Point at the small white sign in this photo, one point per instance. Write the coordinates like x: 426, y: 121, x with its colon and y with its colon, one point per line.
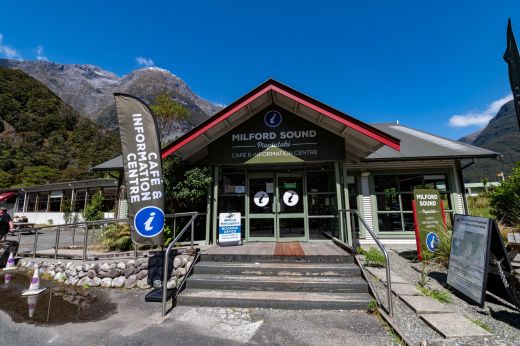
x: 261, y: 198
x: 290, y: 198
x: 240, y: 189
x: 229, y: 226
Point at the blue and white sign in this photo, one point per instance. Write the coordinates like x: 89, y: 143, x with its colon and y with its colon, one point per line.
x: 149, y: 221
x: 432, y: 240
x: 273, y: 118
x: 229, y: 228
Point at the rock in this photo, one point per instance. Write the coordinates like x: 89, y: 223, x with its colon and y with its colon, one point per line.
x: 180, y: 272
x: 51, y: 273
x: 91, y: 273
x: 52, y: 267
x: 184, y: 259
x: 58, y: 270
x: 190, y: 262
x: 102, y: 274
x: 58, y: 276
x: 104, y: 267
x: 68, y: 265
x: 157, y: 283
x: 95, y: 267
x: 84, y: 281
x: 82, y: 274
x: 140, y: 261
x: 106, y: 282
x: 95, y: 282
x: 130, y: 263
x: 71, y: 272
x: 142, y: 274
x: 85, y: 267
x: 171, y: 283
x: 113, y: 266
x: 131, y: 281
x: 118, y: 282
x: 177, y: 262
x: 143, y: 284
x: 129, y: 271
x: 78, y: 268
x: 112, y: 273
x: 73, y: 280
x: 144, y: 265
x: 121, y: 265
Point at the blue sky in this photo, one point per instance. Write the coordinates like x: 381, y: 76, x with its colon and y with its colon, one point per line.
x: 419, y: 62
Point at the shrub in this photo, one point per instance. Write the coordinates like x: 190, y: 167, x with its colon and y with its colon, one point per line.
x: 116, y: 237
x: 94, y: 209
x: 442, y: 252
x: 505, y: 199
x: 374, y: 258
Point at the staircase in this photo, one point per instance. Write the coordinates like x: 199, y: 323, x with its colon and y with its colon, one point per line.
x: 281, y: 282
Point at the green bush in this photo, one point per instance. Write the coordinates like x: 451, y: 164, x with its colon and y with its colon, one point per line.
x: 442, y: 252
x: 505, y: 200
x: 94, y: 209
x: 116, y: 237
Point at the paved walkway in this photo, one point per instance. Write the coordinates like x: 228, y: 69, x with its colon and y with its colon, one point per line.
x: 138, y: 323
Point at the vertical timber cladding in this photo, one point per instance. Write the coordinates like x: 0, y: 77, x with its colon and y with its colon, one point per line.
x: 275, y: 135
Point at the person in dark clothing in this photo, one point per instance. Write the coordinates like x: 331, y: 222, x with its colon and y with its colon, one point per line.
x: 6, y: 223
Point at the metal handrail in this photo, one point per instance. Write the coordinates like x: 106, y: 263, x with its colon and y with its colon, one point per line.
x: 191, y: 223
x: 385, y: 253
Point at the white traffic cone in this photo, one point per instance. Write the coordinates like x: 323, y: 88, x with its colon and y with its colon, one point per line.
x: 10, y: 262
x: 8, y: 278
x: 31, y: 304
x: 34, y: 287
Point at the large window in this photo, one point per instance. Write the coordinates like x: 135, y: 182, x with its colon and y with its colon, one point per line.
x: 20, y: 202
x: 394, y: 194
x: 110, y: 196
x: 79, y: 200
x: 55, y: 201
x: 43, y: 201
x: 31, y: 202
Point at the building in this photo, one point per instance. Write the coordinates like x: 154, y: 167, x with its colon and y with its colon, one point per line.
x: 474, y: 189
x: 288, y: 162
x: 54, y: 203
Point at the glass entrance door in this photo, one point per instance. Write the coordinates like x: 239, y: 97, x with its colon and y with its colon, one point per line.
x: 291, y: 207
x: 277, y: 207
x: 262, y: 207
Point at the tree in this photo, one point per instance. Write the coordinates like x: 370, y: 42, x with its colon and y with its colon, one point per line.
x: 168, y: 112
x: 505, y: 199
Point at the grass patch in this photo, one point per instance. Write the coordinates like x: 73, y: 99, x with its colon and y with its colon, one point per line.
x: 372, y: 307
x: 481, y: 324
x: 442, y: 296
x: 373, y: 257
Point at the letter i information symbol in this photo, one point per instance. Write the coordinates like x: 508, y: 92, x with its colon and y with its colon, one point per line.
x: 149, y: 221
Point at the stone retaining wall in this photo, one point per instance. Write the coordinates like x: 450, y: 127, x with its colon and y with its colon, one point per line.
x: 142, y: 273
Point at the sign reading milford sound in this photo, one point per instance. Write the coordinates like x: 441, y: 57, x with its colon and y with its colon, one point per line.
x: 276, y: 136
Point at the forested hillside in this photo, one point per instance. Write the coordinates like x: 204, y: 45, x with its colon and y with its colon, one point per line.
x: 42, y: 139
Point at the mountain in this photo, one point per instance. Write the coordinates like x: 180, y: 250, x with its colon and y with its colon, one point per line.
x: 469, y: 139
x: 89, y: 89
x: 501, y: 135
x: 44, y: 140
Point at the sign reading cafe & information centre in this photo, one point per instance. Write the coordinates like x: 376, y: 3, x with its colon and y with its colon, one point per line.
x: 143, y: 169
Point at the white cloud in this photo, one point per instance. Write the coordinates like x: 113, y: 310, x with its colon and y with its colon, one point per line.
x: 40, y: 54
x: 7, y: 51
x: 476, y: 118
x: 144, y: 61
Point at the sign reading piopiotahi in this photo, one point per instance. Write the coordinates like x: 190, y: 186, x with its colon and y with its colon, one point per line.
x: 429, y: 220
x: 143, y: 169
x: 229, y: 229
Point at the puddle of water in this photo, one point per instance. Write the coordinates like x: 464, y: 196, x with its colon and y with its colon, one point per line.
x: 57, y: 305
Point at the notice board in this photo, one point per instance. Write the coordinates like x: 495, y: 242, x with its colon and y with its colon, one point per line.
x: 479, y: 261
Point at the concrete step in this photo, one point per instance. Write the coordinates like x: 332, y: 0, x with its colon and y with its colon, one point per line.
x: 347, y: 258
x: 273, y: 269
x: 274, y: 299
x: 292, y: 283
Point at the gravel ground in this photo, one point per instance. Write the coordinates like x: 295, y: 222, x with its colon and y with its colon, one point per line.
x: 503, y: 321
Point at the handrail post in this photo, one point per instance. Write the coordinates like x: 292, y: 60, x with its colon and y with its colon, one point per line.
x: 73, y: 236
x: 57, y: 243
x: 135, y: 251
x: 85, y: 240
x: 385, y: 254
x: 35, y: 245
x: 165, y: 281
x: 192, y: 232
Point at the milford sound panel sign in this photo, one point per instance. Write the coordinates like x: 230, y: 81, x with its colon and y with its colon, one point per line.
x: 275, y: 135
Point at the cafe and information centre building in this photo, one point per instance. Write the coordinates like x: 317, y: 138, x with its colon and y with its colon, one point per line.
x: 287, y: 163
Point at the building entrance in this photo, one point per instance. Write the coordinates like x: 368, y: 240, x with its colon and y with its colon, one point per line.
x: 277, y: 207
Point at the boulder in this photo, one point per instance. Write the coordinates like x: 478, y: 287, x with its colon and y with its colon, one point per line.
x: 84, y: 281
x: 171, y: 284
x: 85, y: 267
x: 131, y: 282
x: 95, y: 267
x: 78, y: 268
x: 82, y: 274
x: 121, y: 265
x: 130, y: 263
x: 91, y: 273
x: 113, y: 266
x: 102, y: 274
x: 129, y: 271
x: 95, y: 282
x: 106, y: 282
x: 104, y: 267
x: 112, y: 273
x: 180, y: 272
x: 177, y: 262
x: 143, y: 284
x: 118, y: 282
x: 142, y: 274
